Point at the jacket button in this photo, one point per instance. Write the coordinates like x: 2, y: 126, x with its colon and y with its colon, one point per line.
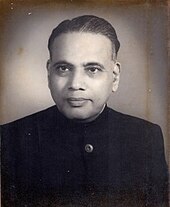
x: 88, y: 148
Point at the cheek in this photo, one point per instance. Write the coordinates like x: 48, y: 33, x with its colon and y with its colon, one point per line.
x: 105, y: 92
x: 103, y: 88
x: 57, y: 84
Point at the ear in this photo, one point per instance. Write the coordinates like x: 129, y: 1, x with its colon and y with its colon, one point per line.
x: 48, y: 66
x: 116, y: 76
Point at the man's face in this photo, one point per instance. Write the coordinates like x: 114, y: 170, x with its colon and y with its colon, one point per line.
x: 82, y: 74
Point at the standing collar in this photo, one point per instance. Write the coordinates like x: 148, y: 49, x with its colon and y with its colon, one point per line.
x: 62, y: 120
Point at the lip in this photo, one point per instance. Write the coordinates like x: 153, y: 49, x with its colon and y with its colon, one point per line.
x: 77, y: 102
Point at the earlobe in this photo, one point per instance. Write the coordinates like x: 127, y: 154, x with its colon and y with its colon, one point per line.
x: 48, y: 66
x: 116, y: 76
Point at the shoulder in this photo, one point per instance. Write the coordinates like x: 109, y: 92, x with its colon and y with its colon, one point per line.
x: 129, y: 121
x: 137, y: 135
x: 40, y: 116
x: 133, y: 128
x: 17, y: 133
x: 30, y: 124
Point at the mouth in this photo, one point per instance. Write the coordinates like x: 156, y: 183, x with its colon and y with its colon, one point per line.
x: 77, y: 102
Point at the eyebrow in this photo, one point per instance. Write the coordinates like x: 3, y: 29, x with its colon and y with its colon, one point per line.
x: 94, y: 64
x: 63, y: 62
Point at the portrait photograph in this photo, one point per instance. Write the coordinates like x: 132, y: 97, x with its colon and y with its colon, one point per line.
x: 84, y: 104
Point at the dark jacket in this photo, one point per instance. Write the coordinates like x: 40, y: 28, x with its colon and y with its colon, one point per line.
x: 44, y: 161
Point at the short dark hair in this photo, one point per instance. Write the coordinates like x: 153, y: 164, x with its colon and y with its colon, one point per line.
x: 86, y: 23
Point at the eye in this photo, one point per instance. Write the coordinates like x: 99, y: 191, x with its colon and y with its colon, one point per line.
x: 93, y: 69
x: 62, y: 68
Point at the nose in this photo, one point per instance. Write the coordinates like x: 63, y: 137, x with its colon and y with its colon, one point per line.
x: 77, y: 81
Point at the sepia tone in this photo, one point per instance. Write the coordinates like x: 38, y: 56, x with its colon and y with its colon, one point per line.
x: 142, y: 27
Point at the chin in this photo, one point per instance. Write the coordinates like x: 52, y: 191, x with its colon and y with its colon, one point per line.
x: 78, y: 114
x: 82, y: 116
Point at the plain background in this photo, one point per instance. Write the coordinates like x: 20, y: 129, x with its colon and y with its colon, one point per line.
x: 141, y: 29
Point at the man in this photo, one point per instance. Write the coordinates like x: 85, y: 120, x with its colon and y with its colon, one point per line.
x: 80, y: 152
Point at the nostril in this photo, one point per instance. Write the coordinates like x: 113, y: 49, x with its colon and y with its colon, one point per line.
x: 76, y: 85
x: 76, y: 88
x: 76, y: 81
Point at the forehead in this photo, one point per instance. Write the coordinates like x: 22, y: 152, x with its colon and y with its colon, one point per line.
x: 81, y: 44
